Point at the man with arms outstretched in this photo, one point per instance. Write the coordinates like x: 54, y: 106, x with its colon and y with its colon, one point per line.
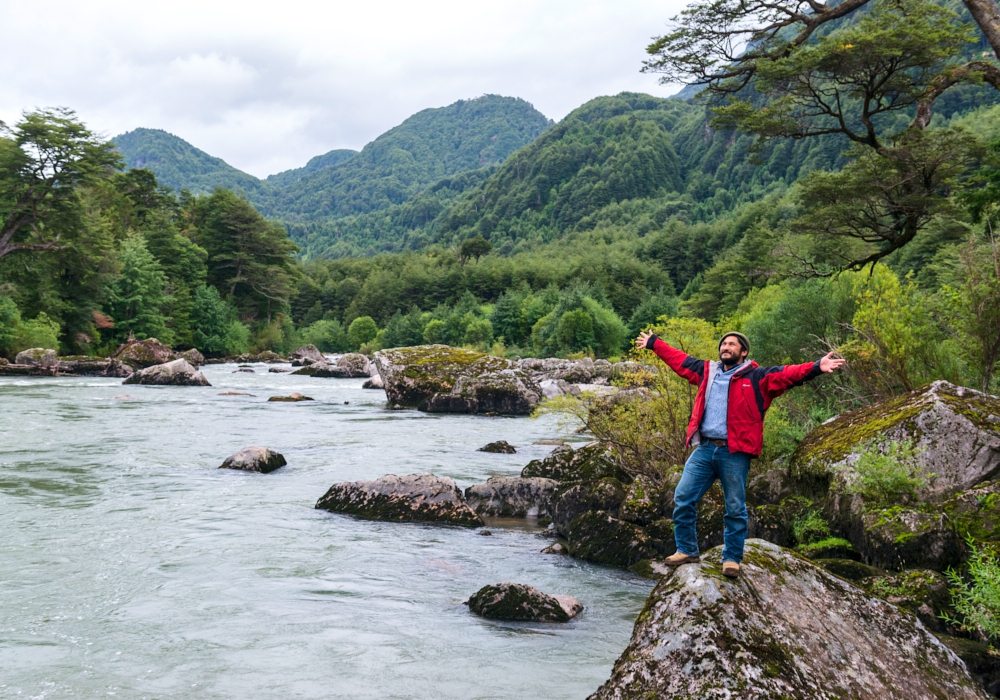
x: 727, y: 426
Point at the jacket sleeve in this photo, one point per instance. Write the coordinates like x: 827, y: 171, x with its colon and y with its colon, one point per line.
x: 777, y: 380
x: 687, y: 367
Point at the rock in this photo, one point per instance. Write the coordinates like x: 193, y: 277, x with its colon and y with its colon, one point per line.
x: 278, y: 370
x: 175, y: 373
x: 266, y: 356
x: 412, y: 498
x: 234, y: 393
x: 556, y: 548
x: 980, y: 658
x: 307, y: 355
x: 291, y: 398
x: 195, y: 358
x: 244, y: 370
x: 373, y: 383
x: 830, y: 548
x: 255, y: 459
x: 355, y: 365
x: 784, y: 629
x: 568, y: 505
x: 518, y: 602
x: 510, y: 497
x: 37, y: 357
x: 848, y: 568
x: 976, y: 513
x: 642, y: 502
x: 587, y: 464
x: 499, y: 447
x: 922, y: 592
x: 485, y: 533
x: 323, y: 370
x: 900, y: 538
x: 507, y: 391
x: 598, y: 537
x: 139, y: 354
x: 439, y: 378
x: 956, y: 429
x: 92, y: 367
x: 552, y: 388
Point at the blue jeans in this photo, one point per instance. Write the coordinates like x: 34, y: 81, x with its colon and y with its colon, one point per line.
x: 706, y: 464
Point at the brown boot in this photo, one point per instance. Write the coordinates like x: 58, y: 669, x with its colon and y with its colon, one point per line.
x: 678, y: 558
x: 730, y: 569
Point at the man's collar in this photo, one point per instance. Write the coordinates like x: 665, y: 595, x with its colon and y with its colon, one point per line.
x: 722, y: 367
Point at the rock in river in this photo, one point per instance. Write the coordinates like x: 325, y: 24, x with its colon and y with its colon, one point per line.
x: 509, y: 497
x: 411, y: 498
x: 307, y: 355
x: 443, y: 379
x: 784, y: 629
x: 291, y: 398
x: 37, y: 357
x: 144, y: 353
x: 518, y: 602
x: 176, y: 373
x: 255, y: 459
x: 501, y: 447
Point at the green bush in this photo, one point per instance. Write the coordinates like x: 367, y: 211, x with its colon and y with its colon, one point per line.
x: 237, y: 339
x: 434, y: 332
x: 362, y: 330
x: 39, y: 332
x: 886, y: 473
x: 810, y: 527
x: 211, y: 318
x: 327, y: 335
x: 976, y: 597
x: 479, y: 333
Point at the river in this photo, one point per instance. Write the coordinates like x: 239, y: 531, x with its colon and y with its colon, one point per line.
x: 131, y: 567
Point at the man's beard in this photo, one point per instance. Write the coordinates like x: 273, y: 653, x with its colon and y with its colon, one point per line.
x: 730, y: 361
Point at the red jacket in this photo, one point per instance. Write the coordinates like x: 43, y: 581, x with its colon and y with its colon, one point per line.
x: 751, y: 390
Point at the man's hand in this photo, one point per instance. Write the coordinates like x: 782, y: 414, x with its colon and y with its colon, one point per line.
x: 830, y: 363
x: 640, y: 342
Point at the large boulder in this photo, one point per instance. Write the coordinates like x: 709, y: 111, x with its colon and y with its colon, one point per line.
x: 500, y: 447
x: 93, y: 367
x: 37, y: 357
x: 355, y: 365
x: 138, y: 354
x: 443, y: 379
x: 411, y: 498
x: 599, y: 537
x: 194, y: 357
x: 510, y: 497
x: 784, y: 629
x: 569, y: 504
x: 307, y: 355
x: 903, y: 538
x: 589, y: 463
x: 175, y: 373
x: 955, y: 429
x: 518, y: 602
x: 255, y: 459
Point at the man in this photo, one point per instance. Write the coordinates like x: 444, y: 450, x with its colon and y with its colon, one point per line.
x: 727, y: 426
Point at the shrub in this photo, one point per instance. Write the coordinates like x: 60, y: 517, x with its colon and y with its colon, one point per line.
x: 211, y: 318
x: 809, y: 527
x: 434, y: 332
x: 10, y: 324
x: 362, y: 330
x: 237, y: 339
x: 39, y: 332
x: 326, y: 335
x: 479, y: 333
x: 886, y: 473
x: 976, y: 598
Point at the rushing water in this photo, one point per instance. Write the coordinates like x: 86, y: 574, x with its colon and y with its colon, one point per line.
x: 130, y: 566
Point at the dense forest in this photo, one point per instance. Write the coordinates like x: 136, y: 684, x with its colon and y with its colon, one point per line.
x: 481, y: 224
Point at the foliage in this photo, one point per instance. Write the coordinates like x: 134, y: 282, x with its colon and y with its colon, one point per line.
x: 809, y: 527
x: 212, y: 319
x: 136, y: 297
x: 886, y: 473
x: 10, y: 324
x: 362, y: 330
x: 976, y: 597
x: 39, y: 332
x: 327, y: 335
x: 237, y: 339
x: 474, y: 247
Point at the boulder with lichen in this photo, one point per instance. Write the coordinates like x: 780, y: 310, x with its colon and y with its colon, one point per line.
x: 784, y: 628
x: 517, y: 602
x: 511, y: 497
x: 410, y: 498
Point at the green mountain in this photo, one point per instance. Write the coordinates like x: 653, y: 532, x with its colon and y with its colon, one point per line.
x: 327, y: 160
x: 179, y: 165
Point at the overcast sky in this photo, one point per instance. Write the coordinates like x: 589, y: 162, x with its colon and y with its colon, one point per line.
x: 266, y: 86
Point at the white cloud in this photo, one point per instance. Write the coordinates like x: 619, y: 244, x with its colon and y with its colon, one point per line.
x: 268, y: 85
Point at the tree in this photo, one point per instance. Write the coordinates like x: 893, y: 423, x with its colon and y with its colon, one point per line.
x: 210, y: 318
x: 44, y: 160
x: 475, y: 247
x: 10, y: 324
x: 136, y: 297
x: 848, y: 80
x: 362, y: 330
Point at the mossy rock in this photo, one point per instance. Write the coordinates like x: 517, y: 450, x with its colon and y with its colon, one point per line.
x: 923, y: 592
x: 955, y: 429
x: 830, y: 548
x: 599, y: 537
x: 517, y: 602
x: 413, y: 375
x: 976, y: 513
x: 413, y: 498
x: 585, y: 465
x: 848, y: 568
x: 784, y: 628
x: 568, y: 504
x: 982, y: 660
x: 642, y: 502
x: 905, y: 538
x: 139, y: 354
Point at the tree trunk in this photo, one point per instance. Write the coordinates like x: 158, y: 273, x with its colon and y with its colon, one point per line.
x: 987, y: 16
